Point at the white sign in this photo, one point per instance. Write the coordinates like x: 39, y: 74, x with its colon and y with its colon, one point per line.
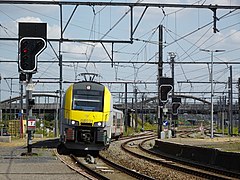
x: 30, y: 87
x: 31, y: 123
x: 165, y: 110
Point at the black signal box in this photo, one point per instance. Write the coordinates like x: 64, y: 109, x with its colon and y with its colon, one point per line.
x: 32, y: 30
x: 32, y: 41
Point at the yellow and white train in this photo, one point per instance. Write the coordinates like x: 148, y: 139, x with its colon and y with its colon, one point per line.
x: 89, y: 121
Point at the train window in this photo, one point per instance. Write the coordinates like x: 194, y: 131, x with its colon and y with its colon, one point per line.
x: 88, y: 100
x: 114, y: 120
x: 87, y: 92
x: 119, y: 120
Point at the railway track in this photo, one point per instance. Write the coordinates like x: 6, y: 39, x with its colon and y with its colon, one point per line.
x: 204, y: 169
x: 103, y: 168
x: 100, y: 167
x: 151, y: 163
x: 67, y: 160
x: 177, y: 164
x: 187, y: 133
x: 141, y: 165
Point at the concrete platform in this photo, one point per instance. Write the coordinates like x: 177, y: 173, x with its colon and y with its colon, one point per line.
x: 5, y: 139
x: 194, y: 150
x: 45, y: 165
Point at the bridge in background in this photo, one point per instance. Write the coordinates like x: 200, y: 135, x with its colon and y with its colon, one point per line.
x: 49, y: 104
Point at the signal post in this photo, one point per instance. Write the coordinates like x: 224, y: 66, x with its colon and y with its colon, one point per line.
x: 176, y: 103
x: 165, y: 87
x: 32, y: 42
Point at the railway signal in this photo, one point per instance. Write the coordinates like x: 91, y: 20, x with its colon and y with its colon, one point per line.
x: 164, y: 92
x: 32, y: 41
x: 166, y: 86
x: 176, y: 103
x: 30, y: 48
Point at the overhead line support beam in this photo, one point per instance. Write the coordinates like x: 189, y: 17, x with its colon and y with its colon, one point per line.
x: 215, y: 19
x: 123, y: 62
x: 97, y: 3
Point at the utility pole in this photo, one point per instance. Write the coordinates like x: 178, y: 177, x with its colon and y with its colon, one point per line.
x: 60, y: 77
x: 211, y: 78
x: 230, y: 91
x: 172, y: 57
x: 224, y: 113
x: 160, y: 73
x: 132, y: 124
x: 126, y: 109
x: 211, y: 94
x: 21, y: 109
x: 142, y: 111
x: 220, y: 112
x: 136, y: 109
x: 0, y: 98
x: 1, y: 125
x: 29, y: 112
x: 11, y: 100
x: 228, y: 106
x: 238, y: 106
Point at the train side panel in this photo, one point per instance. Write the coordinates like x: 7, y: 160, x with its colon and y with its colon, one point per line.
x: 118, y: 124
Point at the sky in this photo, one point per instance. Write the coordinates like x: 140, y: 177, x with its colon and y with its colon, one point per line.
x: 185, y: 32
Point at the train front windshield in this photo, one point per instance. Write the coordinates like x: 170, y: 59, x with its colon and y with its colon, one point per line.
x: 88, y: 100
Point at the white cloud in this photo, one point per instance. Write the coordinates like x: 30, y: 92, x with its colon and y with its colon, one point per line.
x: 219, y: 2
x: 29, y: 19
x: 53, y: 31
x: 224, y: 2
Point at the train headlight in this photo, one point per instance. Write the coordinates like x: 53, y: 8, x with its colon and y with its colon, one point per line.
x: 98, y: 124
x: 88, y: 87
x: 75, y: 123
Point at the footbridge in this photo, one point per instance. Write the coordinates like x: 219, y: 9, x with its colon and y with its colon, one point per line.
x: 49, y: 103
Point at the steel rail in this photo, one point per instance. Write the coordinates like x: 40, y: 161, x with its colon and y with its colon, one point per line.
x: 87, y: 169
x: 73, y: 166
x: 125, y: 170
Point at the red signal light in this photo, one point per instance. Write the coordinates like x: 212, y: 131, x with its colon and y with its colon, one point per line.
x: 25, y: 50
x: 30, y: 48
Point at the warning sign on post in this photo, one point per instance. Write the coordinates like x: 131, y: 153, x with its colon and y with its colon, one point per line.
x: 31, y: 123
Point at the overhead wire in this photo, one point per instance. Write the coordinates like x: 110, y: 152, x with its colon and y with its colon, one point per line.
x: 141, y: 51
x: 194, y: 31
x: 146, y: 42
x: 203, y: 43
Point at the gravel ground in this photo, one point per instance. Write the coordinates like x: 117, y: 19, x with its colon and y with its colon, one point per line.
x: 47, y: 166
x: 115, y: 154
